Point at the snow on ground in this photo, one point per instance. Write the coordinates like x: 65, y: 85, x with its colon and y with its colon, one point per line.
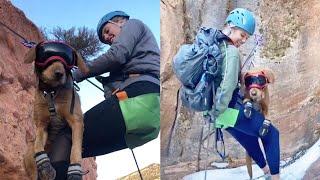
x: 294, y: 171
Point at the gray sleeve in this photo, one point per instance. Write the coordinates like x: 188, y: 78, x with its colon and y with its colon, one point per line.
x: 120, y: 51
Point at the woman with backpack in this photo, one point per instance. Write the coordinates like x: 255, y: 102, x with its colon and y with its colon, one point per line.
x: 130, y: 114
x: 229, y: 111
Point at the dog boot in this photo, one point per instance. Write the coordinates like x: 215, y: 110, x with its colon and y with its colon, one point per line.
x: 44, y: 167
x: 264, y: 128
x: 75, y: 172
x: 247, y: 109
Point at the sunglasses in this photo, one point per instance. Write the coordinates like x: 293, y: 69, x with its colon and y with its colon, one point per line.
x: 51, y: 51
x: 255, y: 81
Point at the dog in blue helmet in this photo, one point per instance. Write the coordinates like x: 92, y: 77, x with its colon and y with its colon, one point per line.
x: 110, y: 25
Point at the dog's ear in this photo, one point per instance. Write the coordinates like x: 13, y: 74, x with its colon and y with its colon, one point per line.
x: 30, y: 56
x: 269, y: 74
x: 242, y: 77
x: 80, y: 63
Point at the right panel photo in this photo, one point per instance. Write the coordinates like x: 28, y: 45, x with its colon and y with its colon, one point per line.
x: 240, y: 90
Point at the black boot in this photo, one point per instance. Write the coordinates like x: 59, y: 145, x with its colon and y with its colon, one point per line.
x: 44, y: 167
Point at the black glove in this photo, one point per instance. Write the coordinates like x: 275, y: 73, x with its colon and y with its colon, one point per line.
x: 264, y: 128
x: 44, y: 167
x: 75, y: 172
x: 247, y: 109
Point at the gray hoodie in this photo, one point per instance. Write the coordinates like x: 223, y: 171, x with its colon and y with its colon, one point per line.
x: 134, y: 51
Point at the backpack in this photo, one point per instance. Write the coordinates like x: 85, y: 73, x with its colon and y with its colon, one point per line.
x: 196, y: 66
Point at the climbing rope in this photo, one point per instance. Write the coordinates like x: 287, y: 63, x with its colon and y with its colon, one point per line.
x: 259, y: 41
x: 25, y: 42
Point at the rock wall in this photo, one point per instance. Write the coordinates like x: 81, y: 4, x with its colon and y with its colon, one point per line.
x: 17, y: 86
x: 290, y: 30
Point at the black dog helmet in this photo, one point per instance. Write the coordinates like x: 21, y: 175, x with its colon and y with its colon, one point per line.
x: 50, y: 51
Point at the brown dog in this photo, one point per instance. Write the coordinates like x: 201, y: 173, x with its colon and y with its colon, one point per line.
x: 54, y: 77
x: 255, y: 84
x: 257, y: 91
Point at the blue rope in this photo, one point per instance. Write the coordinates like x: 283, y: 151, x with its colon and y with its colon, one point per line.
x: 219, y: 137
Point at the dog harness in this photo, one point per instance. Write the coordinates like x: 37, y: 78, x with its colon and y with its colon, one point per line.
x: 49, y: 94
x: 46, y: 53
x: 255, y: 80
x: 50, y: 51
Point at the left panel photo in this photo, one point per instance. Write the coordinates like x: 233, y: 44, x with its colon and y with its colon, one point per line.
x: 79, y: 90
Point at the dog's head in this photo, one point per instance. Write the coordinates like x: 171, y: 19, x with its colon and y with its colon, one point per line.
x: 53, y: 62
x: 256, y: 82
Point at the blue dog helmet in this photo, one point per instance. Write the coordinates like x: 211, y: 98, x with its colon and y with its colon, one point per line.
x: 50, y: 51
x: 105, y: 19
x: 243, y: 19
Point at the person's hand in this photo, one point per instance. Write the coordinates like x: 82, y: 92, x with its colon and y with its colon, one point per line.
x: 77, y: 75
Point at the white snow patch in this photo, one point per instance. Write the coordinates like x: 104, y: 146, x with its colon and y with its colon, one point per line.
x: 294, y: 171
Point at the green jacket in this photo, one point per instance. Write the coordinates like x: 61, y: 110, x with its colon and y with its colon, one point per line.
x: 230, y: 70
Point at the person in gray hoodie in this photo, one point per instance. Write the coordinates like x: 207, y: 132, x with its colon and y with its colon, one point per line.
x: 130, y: 114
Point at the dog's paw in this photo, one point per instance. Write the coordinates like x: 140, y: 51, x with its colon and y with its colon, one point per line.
x: 74, y: 177
x: 44, y: 167
x: 46, y: 171
x: 247, y: 109
x: 264, y: 128
x: 75, y: 172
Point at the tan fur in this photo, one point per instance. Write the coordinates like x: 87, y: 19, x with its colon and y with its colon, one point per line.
x: 62, y: 103
x: 261, y: 97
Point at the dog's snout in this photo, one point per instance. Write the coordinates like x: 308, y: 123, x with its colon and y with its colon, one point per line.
x: 58, y: 74
x: 253, y: 93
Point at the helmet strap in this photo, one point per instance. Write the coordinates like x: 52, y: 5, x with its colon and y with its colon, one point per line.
x: 227, y: 31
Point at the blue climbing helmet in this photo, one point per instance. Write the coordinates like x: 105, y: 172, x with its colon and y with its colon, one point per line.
x: 243, y: 19
x: 105, y: 19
